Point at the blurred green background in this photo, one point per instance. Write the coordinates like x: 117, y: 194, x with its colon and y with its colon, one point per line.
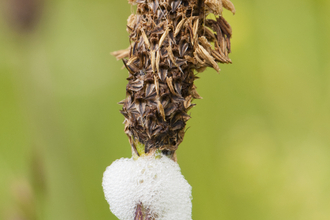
x: 258, y: 146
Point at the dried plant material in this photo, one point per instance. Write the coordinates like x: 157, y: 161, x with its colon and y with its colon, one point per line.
x: 156, y: 85
x: 205, y: 43
x: 161, y: 110
x: 170, y: 54
x: 131, y: 21
x: 215, y: 6
x: 208, y: 57
x: 187, y: 101
x: 195, y: 36
x: 145, y: 38
x: 194, y: 93
x: 222, y: 45
x: 190, y: 59
x: 157, y: 64
x: 153, y: 61
x: 179, y: 26
x: 209, y: 33
x: 170, y: 39
x: 199, y: 60
x: 121, y: 54
x: 229, y: 6
x: 163, y: 37
x: 133, y: 2
x: 218, y: 57
x: 170, y: 85
x: 130, y: 61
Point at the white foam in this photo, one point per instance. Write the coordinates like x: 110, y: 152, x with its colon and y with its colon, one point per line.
x: 156, y: 183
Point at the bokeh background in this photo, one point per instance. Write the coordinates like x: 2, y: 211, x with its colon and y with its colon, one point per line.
x: 258, y: 146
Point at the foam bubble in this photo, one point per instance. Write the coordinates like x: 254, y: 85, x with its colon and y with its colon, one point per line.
x: 157, y: 184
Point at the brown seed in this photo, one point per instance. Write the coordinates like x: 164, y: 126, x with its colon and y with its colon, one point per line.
x: 163, y: 37
x: 187, y: 101
x: 209, y: 32
x: 179, y: 26
x: 162, y: 74
x: 178, y: 87
x: 149, y: 88
x: 218, y: 57
x: 209, y: 58
x: 204, y: 42
x: 215, y: 6
x: 229, y: 5
x: 195, y: 29
x: 170, y: 85
x: 199, y: 60
x: 145, y: 38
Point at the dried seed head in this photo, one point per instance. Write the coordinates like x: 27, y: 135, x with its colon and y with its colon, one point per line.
x: 169, y: 40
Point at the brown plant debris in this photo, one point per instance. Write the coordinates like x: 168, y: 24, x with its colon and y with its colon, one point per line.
x: 169, y: 40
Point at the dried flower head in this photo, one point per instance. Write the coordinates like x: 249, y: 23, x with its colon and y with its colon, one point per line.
x: 169, y: 40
